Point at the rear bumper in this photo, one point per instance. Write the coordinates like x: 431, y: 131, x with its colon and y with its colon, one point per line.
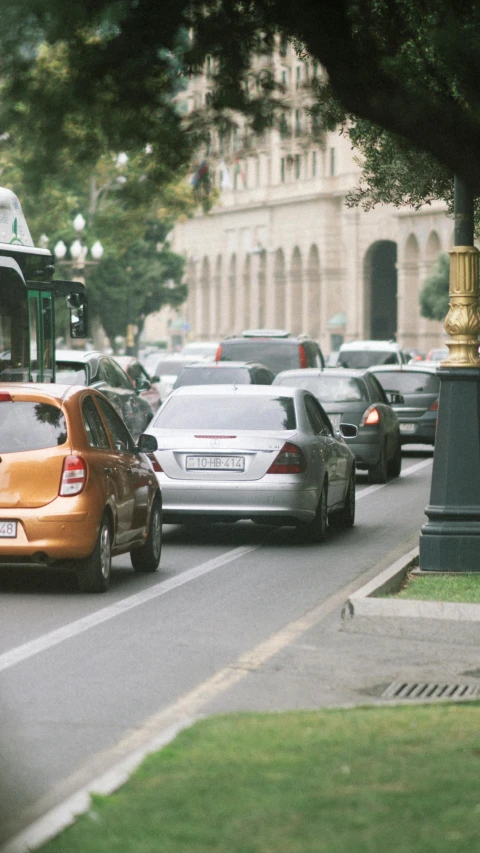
x: 234, y: 501
x: 423, y: 432
x: 59, y: 531
x: 366, y: 447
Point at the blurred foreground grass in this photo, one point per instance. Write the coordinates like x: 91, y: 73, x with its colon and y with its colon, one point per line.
x: 401, y: 779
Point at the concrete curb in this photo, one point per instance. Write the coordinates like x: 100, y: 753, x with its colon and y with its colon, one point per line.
x: 366, y: 612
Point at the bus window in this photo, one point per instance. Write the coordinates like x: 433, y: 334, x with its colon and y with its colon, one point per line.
x: 13, y: 328
x: 47, y: 325
x: 33, y: 319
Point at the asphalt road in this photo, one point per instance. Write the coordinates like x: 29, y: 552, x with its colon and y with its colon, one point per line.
x: 86, y: 680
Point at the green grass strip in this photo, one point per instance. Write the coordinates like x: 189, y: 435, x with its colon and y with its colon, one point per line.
x: 457, y: 588
x: 402, y: 779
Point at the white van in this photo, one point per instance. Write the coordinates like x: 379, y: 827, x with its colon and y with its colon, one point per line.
x: 362, y: 354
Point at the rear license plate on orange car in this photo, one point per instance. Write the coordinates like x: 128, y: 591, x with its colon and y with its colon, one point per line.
x: 215, y: 463
x: 8, y: 529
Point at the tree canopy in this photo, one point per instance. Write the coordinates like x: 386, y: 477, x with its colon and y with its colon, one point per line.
x: 434, y: 296
x: 405, y: 71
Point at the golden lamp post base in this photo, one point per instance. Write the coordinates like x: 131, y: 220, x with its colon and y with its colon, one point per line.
x: 462, y: 322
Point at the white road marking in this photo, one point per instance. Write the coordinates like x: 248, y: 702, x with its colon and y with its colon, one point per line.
x: 66, y: 632
x: 412, y: 469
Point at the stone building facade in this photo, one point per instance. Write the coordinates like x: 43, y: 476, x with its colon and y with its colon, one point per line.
x: 281, y: 249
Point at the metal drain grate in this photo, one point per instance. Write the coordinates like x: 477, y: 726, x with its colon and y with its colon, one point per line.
x: 432, y: 690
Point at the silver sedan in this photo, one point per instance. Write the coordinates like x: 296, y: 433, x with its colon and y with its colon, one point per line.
x: 229, y: 452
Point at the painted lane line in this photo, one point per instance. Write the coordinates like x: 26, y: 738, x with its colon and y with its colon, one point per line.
x: 406, y: 473
x: 66, y: 632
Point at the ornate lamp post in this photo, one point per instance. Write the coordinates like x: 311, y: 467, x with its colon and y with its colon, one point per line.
x: 78, y: 250
x: 450, y: 540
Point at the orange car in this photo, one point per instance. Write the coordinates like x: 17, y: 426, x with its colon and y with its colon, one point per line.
x: 74, y: 487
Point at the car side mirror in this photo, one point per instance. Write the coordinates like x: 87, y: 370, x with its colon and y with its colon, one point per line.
x: 147, y: 443
x: 77, y: 303
x: 348, y: 430
x: 395, y: 397
x: 142, y: 384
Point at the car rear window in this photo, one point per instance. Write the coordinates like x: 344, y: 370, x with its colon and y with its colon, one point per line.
x: 213, y: 376
x: 330, y: 389
x: 30, y: 426
x: 232, y: 413
x: 276, y: 355
x: 70, y: 373
x: 409, y: 383
x: 366, y: 358
x: 170, y: 368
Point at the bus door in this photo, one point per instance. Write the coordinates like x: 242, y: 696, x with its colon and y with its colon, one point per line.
x: 40, y: 320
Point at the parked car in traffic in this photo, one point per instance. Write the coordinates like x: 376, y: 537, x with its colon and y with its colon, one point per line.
x: 200, y: 349
x: 277, y: 349
x: 362, y: 354
x: 76, y: 490
x: 149, y: 387
x: 224, y: 373
x: 356, y: 397
x: 100, y: 371
x: 168, y: 367
x: 230, y: 452
x: 420, y: 389
x: 437, y: 354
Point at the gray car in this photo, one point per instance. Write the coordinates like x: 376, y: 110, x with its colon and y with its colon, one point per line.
x: 229, y: 452
x: 420, y: 389
x: 100, y: 371
x: 356, y: 397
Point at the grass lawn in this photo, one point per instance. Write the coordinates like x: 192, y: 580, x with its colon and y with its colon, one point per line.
x: 402, y: 779
x: 458, y: 588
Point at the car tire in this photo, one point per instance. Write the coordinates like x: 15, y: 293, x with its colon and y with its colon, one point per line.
x: 378, y: 473
x: 395, y: 464
x: 93, y: 573
x: 345, y: 518
x: 316, y: 530
x: 147, y: 557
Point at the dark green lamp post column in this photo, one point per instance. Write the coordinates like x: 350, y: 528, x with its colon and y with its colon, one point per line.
x: 450, y: 540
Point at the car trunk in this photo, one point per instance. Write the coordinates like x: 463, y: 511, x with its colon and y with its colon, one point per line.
x: 220, y: 456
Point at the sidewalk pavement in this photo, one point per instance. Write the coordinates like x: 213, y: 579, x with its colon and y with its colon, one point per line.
x: 370, y: 649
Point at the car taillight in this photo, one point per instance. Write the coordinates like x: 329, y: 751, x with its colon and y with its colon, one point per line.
x: 370, y: 417
x: 433, y: 407
x: 303, y: 356
x: 74, y: 476
x: 290, y: 460
x: 155, y: 463
x: 218, y: 354
x: 6, y: 398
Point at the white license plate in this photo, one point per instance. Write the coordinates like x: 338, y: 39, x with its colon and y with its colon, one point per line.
x: 335, y: 420
x: 407, y: 427
x: 8, y: 529
x: 215, y: 463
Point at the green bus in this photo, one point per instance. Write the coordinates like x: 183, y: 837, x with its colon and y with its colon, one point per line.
x: 27, y: 300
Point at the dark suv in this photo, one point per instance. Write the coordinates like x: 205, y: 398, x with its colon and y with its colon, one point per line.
x: 224, y: 373
x: 275, y: 348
